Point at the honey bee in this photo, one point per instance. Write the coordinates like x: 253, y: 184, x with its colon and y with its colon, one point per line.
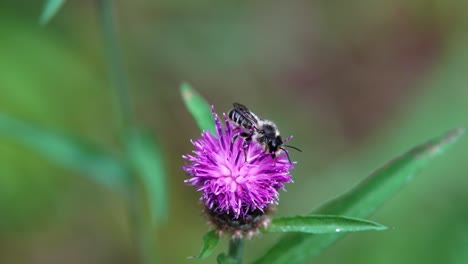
x: 262, y: 131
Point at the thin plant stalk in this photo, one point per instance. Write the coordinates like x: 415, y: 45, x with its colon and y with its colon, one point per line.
x: 143, y: 235
x: 236, y: 250
x: 115, y: 64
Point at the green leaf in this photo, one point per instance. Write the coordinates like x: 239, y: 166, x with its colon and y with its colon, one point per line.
x: 321, y: 224
x: 148, y: 161
x: 361, y: 201
x: 210, y: 241
x: 198, y: 107
x: 51, y: 7
x: 67, y: 151
x: 225, y: 259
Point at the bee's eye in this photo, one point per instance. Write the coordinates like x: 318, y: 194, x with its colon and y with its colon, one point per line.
x: 278, y: 140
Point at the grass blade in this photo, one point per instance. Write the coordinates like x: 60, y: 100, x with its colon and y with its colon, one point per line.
x: 321, y: 224
x: 66, y: 151
x: 148, y: 161
x: 361, y: 201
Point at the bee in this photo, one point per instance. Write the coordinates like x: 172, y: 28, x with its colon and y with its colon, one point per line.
x: 262, y: 131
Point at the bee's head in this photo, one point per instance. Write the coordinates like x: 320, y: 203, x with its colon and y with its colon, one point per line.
x: 277, y: 144
x: 274, y: 144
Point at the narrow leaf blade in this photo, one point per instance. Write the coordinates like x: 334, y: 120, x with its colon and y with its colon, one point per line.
x: 210, y: 241
x: 51, y: 7
x: 321, y: 224
x: 198, y: 107
x: 67, y: 151
x: 360, y: 201
x: 148, y: 161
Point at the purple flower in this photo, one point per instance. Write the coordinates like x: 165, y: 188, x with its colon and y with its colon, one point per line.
x: 235, y: 182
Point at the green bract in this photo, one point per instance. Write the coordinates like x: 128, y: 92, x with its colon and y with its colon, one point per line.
x: 198, y: 107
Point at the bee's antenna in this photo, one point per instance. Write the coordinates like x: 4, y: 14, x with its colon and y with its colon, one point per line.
x: 292, y: 147
x: 287, y: 155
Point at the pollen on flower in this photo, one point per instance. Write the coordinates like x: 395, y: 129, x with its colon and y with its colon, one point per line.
x: 238, y: 185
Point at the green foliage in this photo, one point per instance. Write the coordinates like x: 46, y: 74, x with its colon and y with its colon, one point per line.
x: 186, y: 42
x: 51, y: 7
x: 210, y: 241
x: 198, y: 107
x: 321, y: 224
x: 147, y: 159
x: 360, y: 201
x: 101, y: 166
x: 225, y: 259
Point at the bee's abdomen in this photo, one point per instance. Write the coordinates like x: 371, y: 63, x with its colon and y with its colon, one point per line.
x: 239, y: 119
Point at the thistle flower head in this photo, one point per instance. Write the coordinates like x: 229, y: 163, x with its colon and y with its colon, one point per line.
x: 235, y: 181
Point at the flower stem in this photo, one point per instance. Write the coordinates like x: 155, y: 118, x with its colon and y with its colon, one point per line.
x: 142, y: 231
x: 236, y: 250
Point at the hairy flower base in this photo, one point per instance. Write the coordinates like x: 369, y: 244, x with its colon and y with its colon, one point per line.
x: 246, y: 227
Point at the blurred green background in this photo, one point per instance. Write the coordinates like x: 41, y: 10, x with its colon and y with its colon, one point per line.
x: 356, y: 83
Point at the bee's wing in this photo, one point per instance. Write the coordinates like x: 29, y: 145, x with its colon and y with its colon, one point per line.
x: 246, y: 113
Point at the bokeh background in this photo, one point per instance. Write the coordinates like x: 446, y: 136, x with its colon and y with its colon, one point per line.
x: 356, y: 82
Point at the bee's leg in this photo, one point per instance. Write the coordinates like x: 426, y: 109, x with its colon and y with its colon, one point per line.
x: 246, y: 135
x: 273, y: 155
x: 245, y: 145
x: 242, y: 134
x: 233, y: 139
